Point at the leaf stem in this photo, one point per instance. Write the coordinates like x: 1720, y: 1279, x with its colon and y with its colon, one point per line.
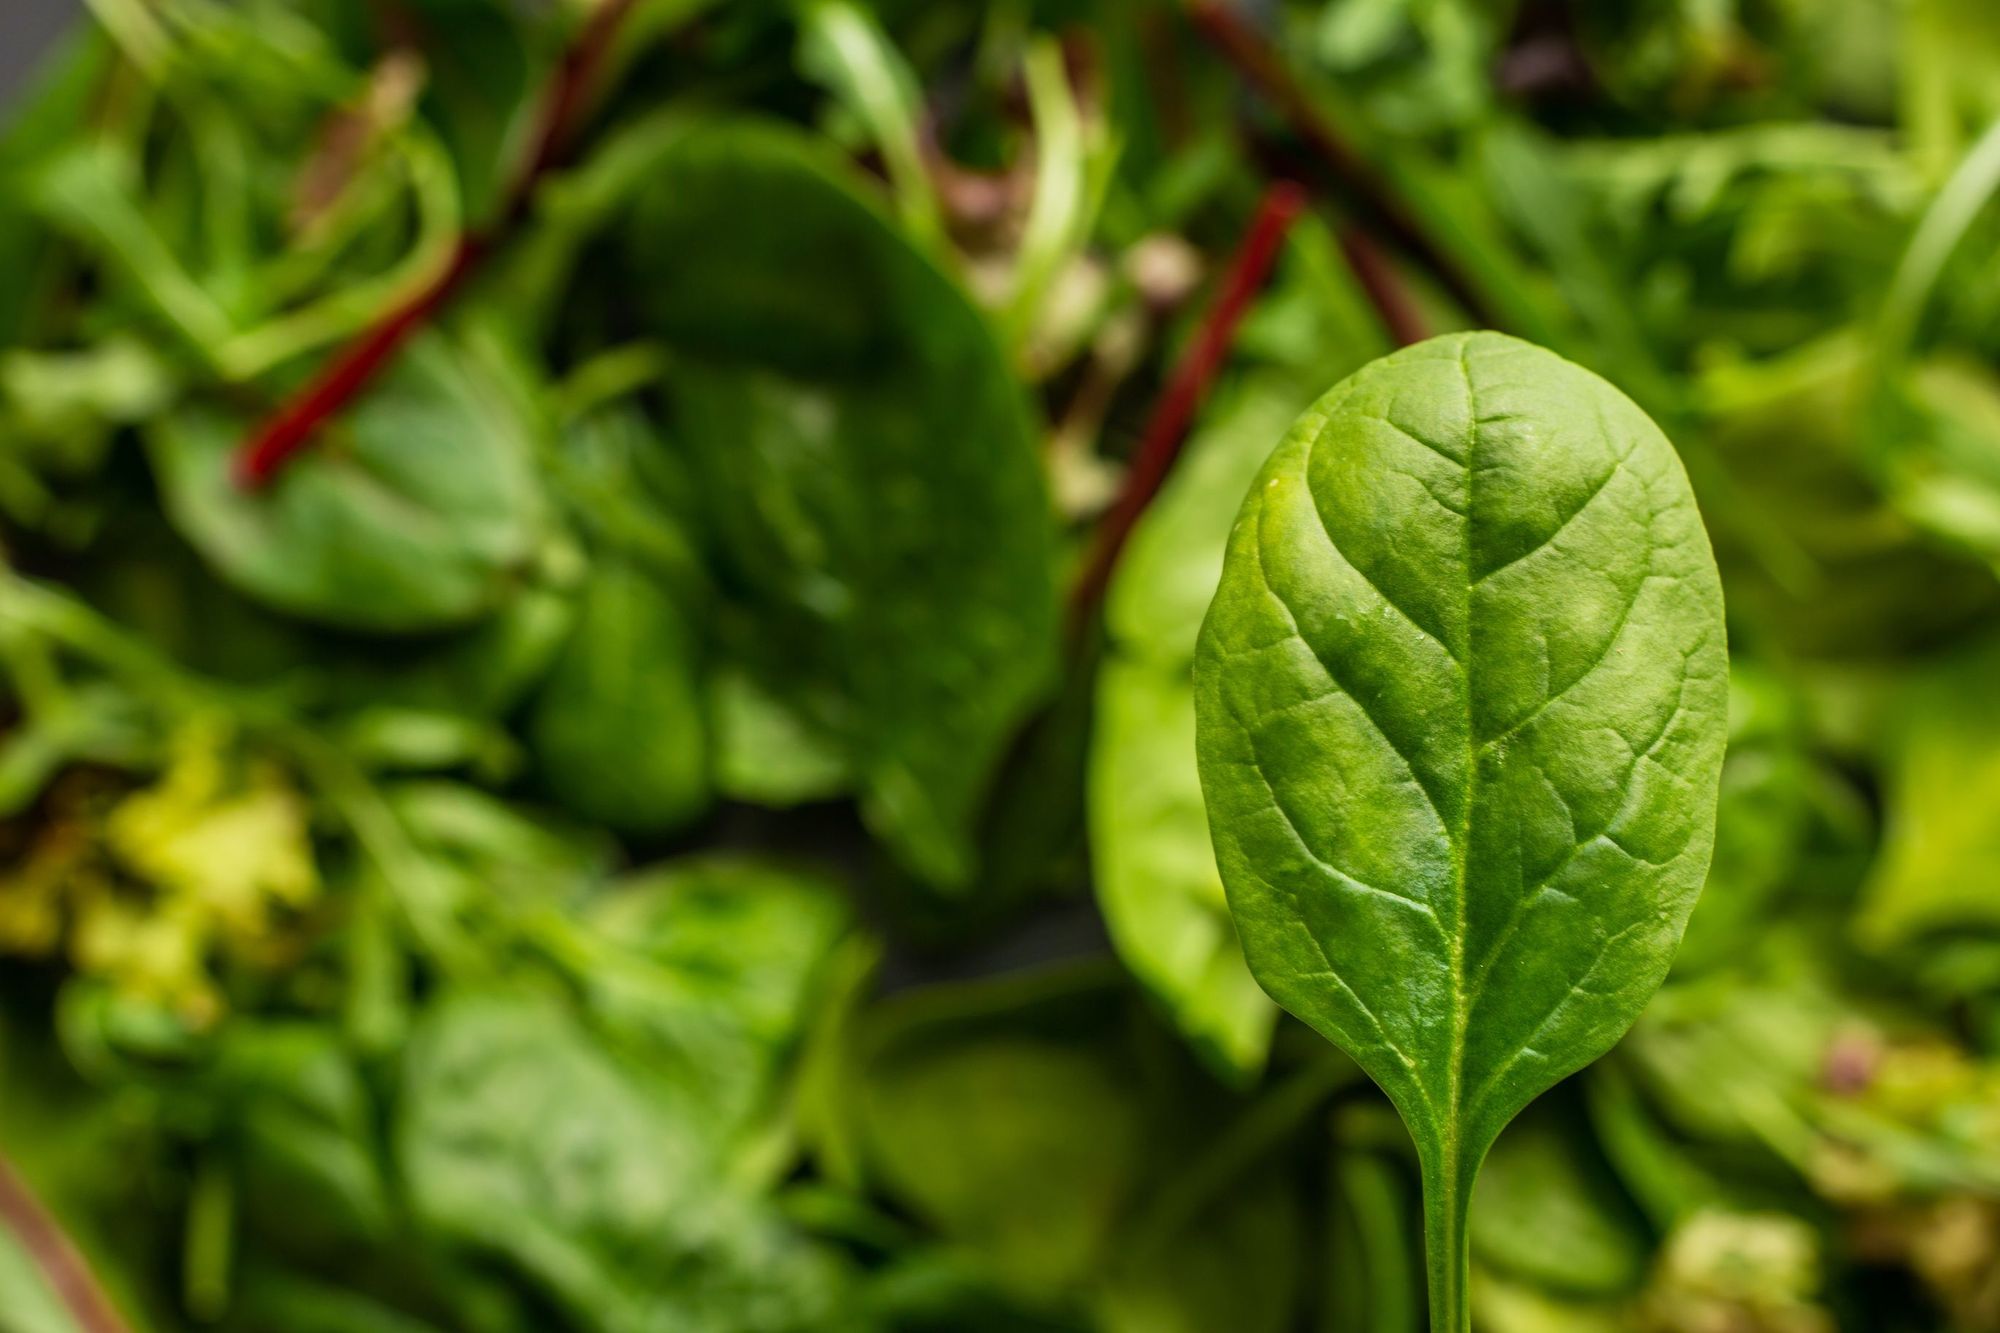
x: 43, y: 1240
x: 564, y: 105
x: 1401, y: 318
x: 1447, y: 1185
x: 1187, y: 386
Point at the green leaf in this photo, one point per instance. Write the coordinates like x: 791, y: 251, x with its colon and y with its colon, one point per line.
x: 303, y: 1131
x: 528, y: 1142
x: 417, y: 510
x: 1155, y: 871
x: 1941, y: 452
x: 1548, y: 1211
x: 765, y: 752
x: 868, y: 469
x: 619, y: 729
x: 1169, y: 571
x: 1004, y: 1116
x: 1763, y: 820
x: 1510, y: 1307
x: 1817, y: 555
x: 1939, y: 866
x: 1152, y: 862
x: 736, y: 951
x: 1239, y: 1269
x: 1462, y: 703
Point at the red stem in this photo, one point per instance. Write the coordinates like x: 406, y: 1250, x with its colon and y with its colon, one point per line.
x: 1187, y: 386
x: 55, y: 1256
x: 1386, y: 292
x: 1261, y: 65
x: 564, y: 104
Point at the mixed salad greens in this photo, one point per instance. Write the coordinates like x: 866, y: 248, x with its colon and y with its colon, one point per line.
x: 597, y: 625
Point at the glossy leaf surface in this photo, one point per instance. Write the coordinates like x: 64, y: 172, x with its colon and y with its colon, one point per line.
x: 1462, y: 707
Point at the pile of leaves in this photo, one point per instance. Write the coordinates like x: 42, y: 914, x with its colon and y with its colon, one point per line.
x: 596, y: 640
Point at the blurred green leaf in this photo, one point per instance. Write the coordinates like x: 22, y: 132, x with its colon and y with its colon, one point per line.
x: 618, y: 729
x: 527, y: 1142
x: 1012, y: 1129
x: 417, y: 511
x: 1940, y: 850
x: 1548, y: 1211
x: 870, y: 472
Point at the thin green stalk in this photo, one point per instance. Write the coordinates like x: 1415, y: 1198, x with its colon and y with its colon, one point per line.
x: 207, y: 1257
x: 1937, y: 238
x: 346, y: 311
x: 139, y: 36
x: 1447, y: 1248
x: 1056, y: 217
x: 846, y: 49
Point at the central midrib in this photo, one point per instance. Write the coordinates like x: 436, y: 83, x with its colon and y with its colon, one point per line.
x: 1461, y: 1002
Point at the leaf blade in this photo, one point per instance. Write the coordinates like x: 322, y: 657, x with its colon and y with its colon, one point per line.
x: 1461, y: 711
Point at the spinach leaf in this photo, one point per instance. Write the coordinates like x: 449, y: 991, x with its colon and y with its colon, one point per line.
x: 766, y: 752
x: 417, y: 511
x: 619, y: 729
x: 735, y: 953
x: 1155, y: 871
x: 1937, y: 868
x: 868, y: 470
x: 1008, y: 1123
x: 300, y: 1122
x: 1462, y: 704
x: 1153, y: 866
x: 1818, y: 556
x: 1548, y: 1210
x: 1764, y: 822
x: 529, y: 1142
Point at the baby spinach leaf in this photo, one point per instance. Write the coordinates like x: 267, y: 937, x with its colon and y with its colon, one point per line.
x: 485, y: 670
x: 300, y: 1125
x: 1462, y: 704
x: 1152, y: 862
x: 619, y: 730
x: 1015, y: 1134
x: 1940, y: 452
x: 868, y: 470
x: 1818, y: 555
x: 735, y: 952
x: 531, y: 1144
x: 766, y: 752
x: 1764, y: 820
x: 416, y: 512
x: 1155, y: 870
